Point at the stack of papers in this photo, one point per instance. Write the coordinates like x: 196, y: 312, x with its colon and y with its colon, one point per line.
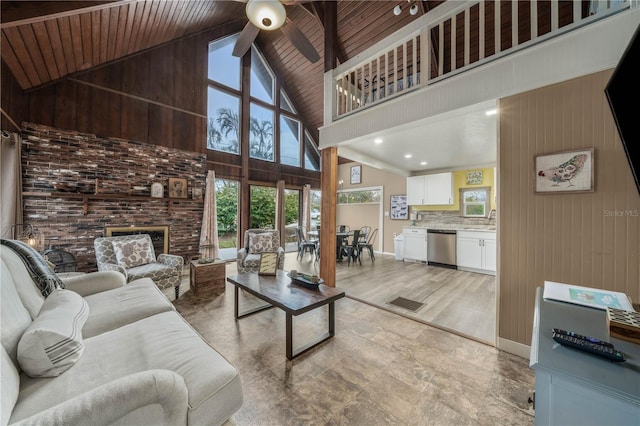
x: 586, y: 296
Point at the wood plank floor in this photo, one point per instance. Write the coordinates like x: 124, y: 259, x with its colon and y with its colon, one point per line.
x: 379, y: 369
x: 457, y: 301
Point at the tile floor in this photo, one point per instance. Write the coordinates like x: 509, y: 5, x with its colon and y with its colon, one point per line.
x: 380, y: 368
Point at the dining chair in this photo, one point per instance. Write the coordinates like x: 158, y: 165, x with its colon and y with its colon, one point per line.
x: 353, y: 249
x: 369, y: 245
x: 343, y: 228
x: 304, y: 245
x: 364, y: 233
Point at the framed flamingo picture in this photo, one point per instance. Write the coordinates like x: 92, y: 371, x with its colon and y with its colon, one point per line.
x: 562, y: 172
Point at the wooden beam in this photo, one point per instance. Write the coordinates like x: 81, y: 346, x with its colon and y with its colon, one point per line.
x: 329, y: 180
x: 330, y: 35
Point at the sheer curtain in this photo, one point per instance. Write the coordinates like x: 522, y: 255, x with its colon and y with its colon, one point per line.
x: 280, y: 212
x: 306, y: 207
x: 209, y: 230
x: 11, y: 183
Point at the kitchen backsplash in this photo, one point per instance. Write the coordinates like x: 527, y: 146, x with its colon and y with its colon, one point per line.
x: 431, y: 218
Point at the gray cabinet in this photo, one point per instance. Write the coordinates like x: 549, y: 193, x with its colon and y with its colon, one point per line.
x: 577, y: 388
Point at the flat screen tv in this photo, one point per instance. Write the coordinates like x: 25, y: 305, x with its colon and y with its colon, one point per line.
x: 622, y: 91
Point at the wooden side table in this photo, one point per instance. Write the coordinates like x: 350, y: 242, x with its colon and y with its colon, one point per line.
x: 207, y: 278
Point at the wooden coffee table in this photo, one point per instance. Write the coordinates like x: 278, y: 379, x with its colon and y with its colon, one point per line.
x: 278, y: 290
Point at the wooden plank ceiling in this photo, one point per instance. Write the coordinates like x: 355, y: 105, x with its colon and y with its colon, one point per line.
x: 45, y: 41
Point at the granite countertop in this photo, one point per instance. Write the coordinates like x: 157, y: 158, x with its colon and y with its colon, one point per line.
x: 457, y: 227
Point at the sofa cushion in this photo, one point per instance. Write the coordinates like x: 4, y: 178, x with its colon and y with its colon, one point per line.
x: 130, y: 253
x: 13, y: 267
x: 53, y: 342
x: 262, y: 242
x: 162, y: 341
x: 14, y: 316
x: 10, y: 386
x: 114, y: 308
x: 155, y: 271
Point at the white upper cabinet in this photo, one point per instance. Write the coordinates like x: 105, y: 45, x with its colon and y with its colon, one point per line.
x: 436, y: 189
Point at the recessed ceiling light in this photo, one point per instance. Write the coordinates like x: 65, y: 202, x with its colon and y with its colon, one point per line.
x: 377, y: 141
x: 423, y: 163
x: 407, y: 156
x: 491, y: 112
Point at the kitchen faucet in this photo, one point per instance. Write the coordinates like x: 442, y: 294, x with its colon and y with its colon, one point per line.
x: 490, y: 212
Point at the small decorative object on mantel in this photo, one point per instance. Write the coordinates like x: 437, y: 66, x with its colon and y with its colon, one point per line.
x: 157, y: 190
x: 268, y: 263
x: 569, y: 171
x: 196, y: 193
x: 474, y: 178
x: 177, y: 188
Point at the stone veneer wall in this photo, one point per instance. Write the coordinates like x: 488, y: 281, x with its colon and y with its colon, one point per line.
x: 55, y: 160
x: 442, y: 218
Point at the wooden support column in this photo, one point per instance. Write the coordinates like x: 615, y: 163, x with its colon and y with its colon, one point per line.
x: 244, y: 201
x: 329, y: 188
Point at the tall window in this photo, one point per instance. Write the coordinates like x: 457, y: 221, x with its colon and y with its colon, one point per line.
x: 227, y: 213
x: 274, y: 124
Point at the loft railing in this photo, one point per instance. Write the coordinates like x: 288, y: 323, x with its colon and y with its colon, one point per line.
x: 451, y: 39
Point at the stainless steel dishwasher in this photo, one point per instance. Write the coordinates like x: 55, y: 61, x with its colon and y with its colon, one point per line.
x: 441, y: 248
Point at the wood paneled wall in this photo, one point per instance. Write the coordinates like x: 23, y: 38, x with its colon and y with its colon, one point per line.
x: 14, y: 103
x: 590, y: 239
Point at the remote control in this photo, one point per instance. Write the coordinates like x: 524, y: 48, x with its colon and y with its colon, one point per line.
x: 579, y: 336
x: 607, y: 352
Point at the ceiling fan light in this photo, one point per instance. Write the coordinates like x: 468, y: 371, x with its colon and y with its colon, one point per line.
x: 266, y: 14
x: 414, y: 9
x: 397, y: 10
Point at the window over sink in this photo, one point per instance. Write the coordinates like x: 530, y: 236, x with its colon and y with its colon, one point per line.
x: 475, y: 202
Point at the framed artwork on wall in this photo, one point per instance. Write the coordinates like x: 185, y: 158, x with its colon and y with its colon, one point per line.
x: 356, y: 174
x: 157, y: 190
x: 474, y: 177
x: 177, y: 188
x: 399, y: 207
x: 562, y: 172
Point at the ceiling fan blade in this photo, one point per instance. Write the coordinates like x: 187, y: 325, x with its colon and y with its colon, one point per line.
x: 245, y: 40
x: 300, y: 41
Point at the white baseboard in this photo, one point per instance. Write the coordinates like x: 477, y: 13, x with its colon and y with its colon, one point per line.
x: 514, y: 348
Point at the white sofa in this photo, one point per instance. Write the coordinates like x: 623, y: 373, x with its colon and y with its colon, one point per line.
x: 141, y: 363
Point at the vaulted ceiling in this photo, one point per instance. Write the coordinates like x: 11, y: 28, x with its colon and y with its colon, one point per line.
x: 45, y: 41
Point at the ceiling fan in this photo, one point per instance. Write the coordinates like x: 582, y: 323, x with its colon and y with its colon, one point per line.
x: 271, y: 15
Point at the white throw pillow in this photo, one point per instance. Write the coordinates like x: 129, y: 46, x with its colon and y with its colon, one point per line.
x: 53, y: 342
x: 130, y: 253
x: 260, y: 243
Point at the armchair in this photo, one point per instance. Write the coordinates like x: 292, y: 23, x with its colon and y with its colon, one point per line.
x: 257, y: 241
x: 133, y: 256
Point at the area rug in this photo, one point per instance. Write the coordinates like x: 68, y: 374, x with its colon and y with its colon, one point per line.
x: 412, y: 305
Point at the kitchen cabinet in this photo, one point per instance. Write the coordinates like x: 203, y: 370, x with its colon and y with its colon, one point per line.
x: 436, y: 189
x: 476, y: 251
x: 415, y: 244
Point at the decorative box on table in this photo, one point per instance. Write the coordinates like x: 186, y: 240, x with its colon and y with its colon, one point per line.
x: 207, y: 278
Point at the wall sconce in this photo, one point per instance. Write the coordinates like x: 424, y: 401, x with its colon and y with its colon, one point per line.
x: 413, y: 9
x: 341, y: 183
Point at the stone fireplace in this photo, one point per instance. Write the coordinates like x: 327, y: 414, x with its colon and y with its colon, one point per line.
x: 71, y: 218
x: 159, y: 235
